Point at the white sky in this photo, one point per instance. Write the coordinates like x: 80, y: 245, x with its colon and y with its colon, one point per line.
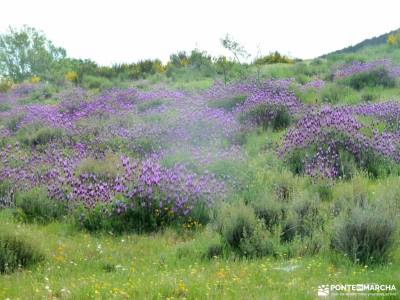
x: 127, y: 31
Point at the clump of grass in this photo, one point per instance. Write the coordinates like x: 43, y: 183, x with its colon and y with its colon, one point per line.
x: 214, y: 250
x: 105, y: 168
x: 13, y: 123
x: 270, y: 211
x: 336, y: 93
x: 109, y: 268
x: 276, y: 117
x: 4, y: 107
x: 324, y: 190
x: 304, y: 219
x: 6, y: 194
x: 373, y: 78
x: 41, y: 95
x: 96, y: 82
x: 228, y: 103
x: 365, y: 235
x: 34, y: 136
x: 35, y: 206
x: 5, y: 85
x: 16, y: 253
x: 150, y: 104
x: 243, y: 232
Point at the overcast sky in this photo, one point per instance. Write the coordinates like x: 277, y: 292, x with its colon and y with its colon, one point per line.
x: 127, y: 31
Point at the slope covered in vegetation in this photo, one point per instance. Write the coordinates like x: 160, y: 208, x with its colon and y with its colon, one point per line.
x: 203, y: 178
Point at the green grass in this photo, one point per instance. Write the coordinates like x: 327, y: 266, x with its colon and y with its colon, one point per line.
x: 191, y: 84
x: 169, y: 265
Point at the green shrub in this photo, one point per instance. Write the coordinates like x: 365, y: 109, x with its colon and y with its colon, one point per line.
x: 304, y: 219
x: 13, y: 123
x: 295, y: 161
x: 108, y: 268
x: 38, y: 136
x: 324, y: 190
x: 347, y: 165
x: 334, y: 93
x: 93, y: 219
x: 40, y: 95
x: 233, y: 221
x: 308, y: 216
x: 5, y: 85
x: 107, y: 218
x: 4, y: 107
x: 243, y: 232
x: 289, y: 229
x: 94, y: 82
x: 200, y: 213
x: 214, y: 250
x: 302, y: 78
x: 6, y: 194
x: 144, y: 145
x: 35, y: 206
x: 303, y: 68
x: 16, y: 253
x: 273, y: 58
x: 149, y: 104
x: 276, y: 117
x: 309, y: 95
x: 270, y: 212
x: 377, y: 166
x: 257, y: 243
x: 305, y: 246
x: 283, y: 187
x: 373, y: 78
x: 104, y: 169
x: 365, y: 235
x: 374, y: 164
x: 228, y: 103
x: 122, y: 216
x: 282, y: 119
x: 368, y: 97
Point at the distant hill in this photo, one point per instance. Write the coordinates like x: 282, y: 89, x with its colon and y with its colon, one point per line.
x: 378, y: 40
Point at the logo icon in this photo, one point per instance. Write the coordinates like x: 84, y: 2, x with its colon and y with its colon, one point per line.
x: 323, y: 290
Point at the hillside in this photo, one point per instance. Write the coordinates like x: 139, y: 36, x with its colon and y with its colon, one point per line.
x: 375, y: 41
x: 201, y: 178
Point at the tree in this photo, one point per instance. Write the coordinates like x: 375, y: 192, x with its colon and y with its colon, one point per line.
x: 27, y: 52
x: 234, y: 47
x: 238, y: 52
x: 179, y: 59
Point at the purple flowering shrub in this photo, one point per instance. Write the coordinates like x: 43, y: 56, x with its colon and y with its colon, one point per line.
x: 148, y: 197
x: 357, y: 67
x: 271, y: 104
x: 377, y: 77
x: 143, y: 191
x: 131, y: 160
x: 267, y: 115
x: 72, y: 100
x: 330, y: 142
x: 370, y: 74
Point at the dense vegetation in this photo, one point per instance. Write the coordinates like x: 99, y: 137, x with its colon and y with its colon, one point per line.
x: 201, y: 178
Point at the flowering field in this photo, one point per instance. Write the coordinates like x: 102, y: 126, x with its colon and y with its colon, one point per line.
x: 249, y: 189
